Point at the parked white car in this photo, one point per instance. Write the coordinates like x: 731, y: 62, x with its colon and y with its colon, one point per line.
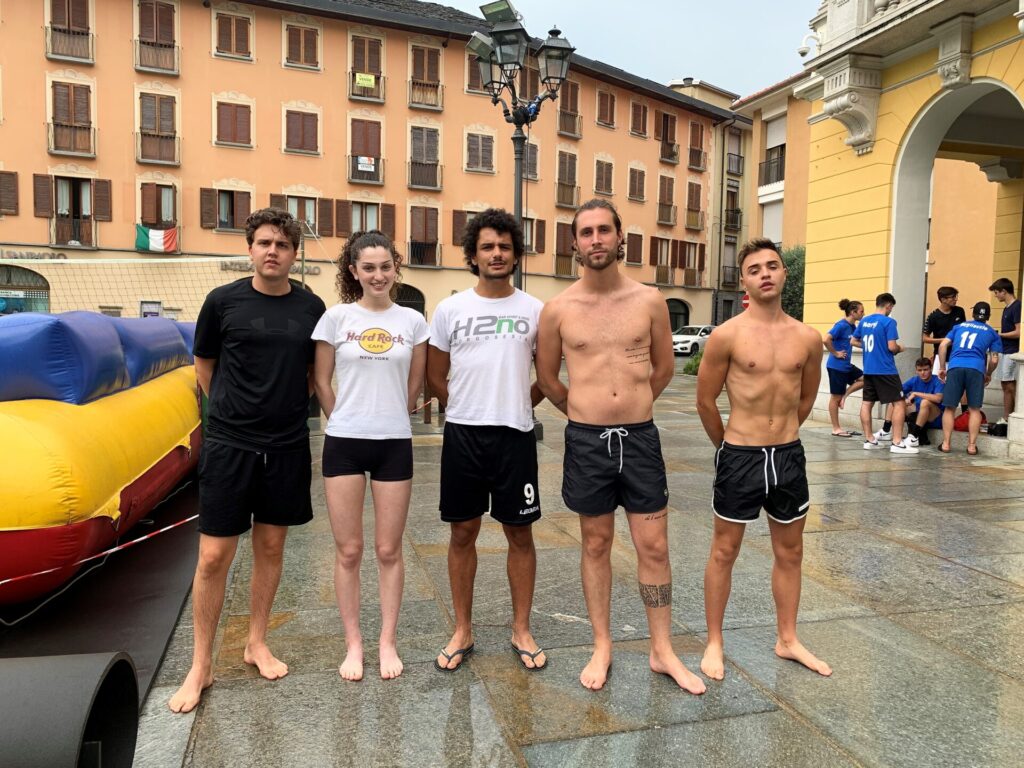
x: 690, y: 339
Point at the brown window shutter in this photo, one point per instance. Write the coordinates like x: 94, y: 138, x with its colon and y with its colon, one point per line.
x: 242, y: 120
x: 653, y: 257
x: 701, y: 256
x: 150, y: 213
x: 225, y: 29
x: 673, y: 258
x: 635, y: 118
x: 539, y: 233
x: 417, y: 141
x: 634, y: 248
x: 458, y: 226
x: 359, y: 133
x: 61, y: 103
x: 166, y: 115
x: 670, y: 128
x: 572, y: 97
x: 325, y: 217
x: 433, y: 65
x: 293, y: 130
x: 659, y: 123
x: 417, y: 224
x: 80, y: 104
x: 419, y: 63
x: 431, y: 145
x: 472, y: 150
x: 42, y: 195
x: 242, y: 209
x: 693, y: 196
x: 165, y: 23
x: 387, y: 219
x: 79, y: 15
x: 431, y: 224
x: 279, y: 201
x: 373, y: 51
x: 59, y: 13
x: 294, y: 45
x: 487, y: 152
x: 8, y: 193
x: 225, y: 122
x: 474, y: 83
x: 147, y: 21
x: 207, y: 208
x: 696, y: 135
x: 147, y: 112
x: 309, y: 47
x: 563, y: 239
x: 241, y: 36
x: 373, y: 139
x: 342, y: 218
x: 101, y: 207
x: 359, y: 54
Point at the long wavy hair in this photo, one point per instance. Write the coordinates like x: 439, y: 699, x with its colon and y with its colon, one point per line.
x: 349, y: 289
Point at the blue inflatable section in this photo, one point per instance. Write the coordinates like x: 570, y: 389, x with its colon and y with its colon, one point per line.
x: 188, y: 333
x: 152, y: 347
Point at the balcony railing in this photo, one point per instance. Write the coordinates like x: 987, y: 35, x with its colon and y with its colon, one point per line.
x: 733, y: 218
x: 691, y: 278
x: 157, y: 57
x: 694, y: 219
x: 734, y: 164
x: 771, y: 171
x: 365, y: 169
x: 72, y: 231
x: 567, y: 195
x: 664, y: 275
x: 72, y: 139
x: 565, y: 265
x: 424, y: 254
x: 570, y: 124
x: 667, y: 214
x: 669, y: 152
x: 730, y: 276
x: 424, y: 175
x: 365, y: 86
x: 426, y: 95
x: 157, y: 148
x: 698, y: 159
x: 69, y: 44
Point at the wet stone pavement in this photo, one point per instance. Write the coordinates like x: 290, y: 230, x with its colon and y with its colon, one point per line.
x: 913, y: 591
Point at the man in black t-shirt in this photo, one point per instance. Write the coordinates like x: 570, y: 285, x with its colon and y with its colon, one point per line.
x: 1009, y: 332
x: 942, y: 320
x: 253, y: 353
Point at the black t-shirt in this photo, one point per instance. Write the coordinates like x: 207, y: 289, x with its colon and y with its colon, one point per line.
x: 259, y: 395
x: 1011, y: 316
x: 938, y: 323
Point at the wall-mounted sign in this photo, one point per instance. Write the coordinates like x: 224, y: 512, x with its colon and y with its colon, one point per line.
x: 364, y: 80
x: 7, y: 253
x: 367, y: 164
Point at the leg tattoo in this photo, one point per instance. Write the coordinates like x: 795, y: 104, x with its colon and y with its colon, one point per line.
x: 656, y: 595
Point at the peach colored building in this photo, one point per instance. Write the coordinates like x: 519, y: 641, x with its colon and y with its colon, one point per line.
x: 129, y: 119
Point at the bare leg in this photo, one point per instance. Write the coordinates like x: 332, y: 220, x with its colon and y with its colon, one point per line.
x: 725, y: 547
x: 788, y: 548
x: 650, y: 537
x: 345, y: 495
x: 898, y: 417
x: 522, y: 576
x: 267, y: 559
x: 208, y: 586
x: 833, y: 413
x: 948, y: 417
x: 1009, y: 397
x: 926, y: 413
x: 865, y: 420
x: 461, y: 574
x: 391, y: 508
x: 856, y: 386
x: 973, y: 428
x: 596, y: 573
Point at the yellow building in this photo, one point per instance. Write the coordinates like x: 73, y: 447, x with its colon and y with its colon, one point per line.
x: 182, y: 117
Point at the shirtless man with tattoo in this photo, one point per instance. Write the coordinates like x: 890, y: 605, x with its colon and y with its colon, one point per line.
x: 615, y: 335
x: 770, y: 365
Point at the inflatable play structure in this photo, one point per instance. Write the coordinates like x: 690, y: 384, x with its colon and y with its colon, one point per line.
x: 99, y: 419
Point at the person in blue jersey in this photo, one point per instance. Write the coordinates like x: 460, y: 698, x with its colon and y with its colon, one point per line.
x: 878, y: 336
x: 972, y: 349
x: 923, y: 396
x: 844, y: 377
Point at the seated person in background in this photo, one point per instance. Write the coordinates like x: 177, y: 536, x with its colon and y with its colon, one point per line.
x: 923, y: 394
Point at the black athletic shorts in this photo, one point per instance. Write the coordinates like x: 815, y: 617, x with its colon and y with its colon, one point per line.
x: 839, y: 381
x: 609, y: 467
x: 748, y: 478
x: 385, y: 460
x: 489, y: 467
x: 238, y: 487
x: 886, y: 388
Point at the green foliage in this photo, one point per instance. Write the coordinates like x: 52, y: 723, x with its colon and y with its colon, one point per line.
x: 793, y: 293
x: 692, y: 364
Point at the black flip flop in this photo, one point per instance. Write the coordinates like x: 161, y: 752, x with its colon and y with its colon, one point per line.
x: 532, y: 656
x: 844, y: 433
x: 463, y: 652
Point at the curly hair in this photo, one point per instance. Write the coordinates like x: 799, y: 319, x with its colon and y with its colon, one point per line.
x: 275, y: 217
x: 348, y: 286
x: 501, y: 221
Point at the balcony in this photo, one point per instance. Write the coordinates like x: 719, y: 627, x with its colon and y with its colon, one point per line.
x: 565, y: 265
x: 424, y: 175
x: 157, y: 148
x: 734, y: 164
x: 72, y: 231
x: 733, y: 218
x: 730, y: 277
x: 771, y: 171
x: 77, y: 45
x: 157, y: 57
x: 694, y: 219
x: 423, y: 254
x: 667, y: 214
x: 698, y: 159
x: 692, y: 278
x: 364, y: 86
x: 669, y: 152
x: 567, y: 195
x: 426, y: 95
x: 664, y: 275
x: 72, y: 140
x: 363, y: 169
x: 570, y: 124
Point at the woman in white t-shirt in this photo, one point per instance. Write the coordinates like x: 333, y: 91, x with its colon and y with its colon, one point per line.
x: 378, y: 350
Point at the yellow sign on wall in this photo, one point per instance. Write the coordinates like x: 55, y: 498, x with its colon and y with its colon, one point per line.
x: 364, y: 80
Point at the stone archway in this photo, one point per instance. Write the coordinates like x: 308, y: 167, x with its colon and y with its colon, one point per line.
x: 412, y: 298
x: 678, y: 313
x: 22, y: 290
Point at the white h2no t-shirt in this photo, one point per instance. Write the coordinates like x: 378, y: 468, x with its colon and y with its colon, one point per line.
x: 491, y: 343
x: 372, y: 356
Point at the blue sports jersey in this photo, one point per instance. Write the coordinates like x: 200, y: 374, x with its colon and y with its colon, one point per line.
x: 841, y: 334
x: 972, y: 343
x: 875, y: 332
x: 916, y: 384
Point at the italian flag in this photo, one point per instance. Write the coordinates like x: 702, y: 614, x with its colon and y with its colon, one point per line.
x: 159, y: 240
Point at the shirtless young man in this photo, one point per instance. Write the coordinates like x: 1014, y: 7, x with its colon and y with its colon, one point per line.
x: 617, y: 343
x: 770, y: 365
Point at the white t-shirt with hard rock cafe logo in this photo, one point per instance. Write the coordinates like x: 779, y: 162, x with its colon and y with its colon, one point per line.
x: 491, y: 343
x: 372, y: 356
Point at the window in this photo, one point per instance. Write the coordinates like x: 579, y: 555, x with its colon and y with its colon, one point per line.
x: 530, y: 161
x: 366, y: 82
x: 638, y: 119
x: 529, y: 82
x: 479, y: 152
x: 533, y: 235
x: 74, y: 205
x: 566, y: 191
x: 365, y: 162
x: 304, y: 210
x: 637, y: 180
x: 603, y: 177
x: 303, y: 44
x: 666, y: 207
x: 606, y: 108
x: 665, y: 132
x: 569, y: 121
x: 694, y: 208
x: 473, y: 82
x: 689, y: 255
x: 156, y: 49
x: 158, y: 141
x: 233, y: 35
x: 301, y: 132
x: 365, y: 216
x: 223, y: 208
x: 68, y: 35
x: 425, y: 86
x: 359, y: 217
x: 423, y: 241
x: 698, y: 158
x: 424, y: 170
x: 634, y: 248
x: 159, y: 206
x: 72, y: 122
x: 233, y: 121
x: 565, y: 257
x: 8, y: 193
x: 773, y: 168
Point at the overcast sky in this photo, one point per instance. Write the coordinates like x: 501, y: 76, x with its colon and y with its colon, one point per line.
x: 740, y: 45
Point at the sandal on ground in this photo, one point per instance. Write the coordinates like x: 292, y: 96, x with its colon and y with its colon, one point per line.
x: 940, y: 449
x: 972, y: 450
x: 842, y: 433
x: 532, y: 656
x: 463, y: 652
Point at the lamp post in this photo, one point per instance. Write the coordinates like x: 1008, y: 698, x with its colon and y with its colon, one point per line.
x: 500, y: 58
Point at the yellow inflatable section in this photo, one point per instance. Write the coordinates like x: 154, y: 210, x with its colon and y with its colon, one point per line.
x: 64, y: 463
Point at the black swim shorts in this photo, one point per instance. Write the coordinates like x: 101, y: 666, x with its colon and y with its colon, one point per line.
x: 748, y: 478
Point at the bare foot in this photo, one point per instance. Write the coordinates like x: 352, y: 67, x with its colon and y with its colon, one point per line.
x: 713, y: 663
x: 460, y: 641
x: 667, y: 663
x: 390, y: 665
x: 595, y: 674
x: 261, y: 658
x: 352, y: 667
x: 524, y: 641
x: 187, y: 697
x: 795, y: 651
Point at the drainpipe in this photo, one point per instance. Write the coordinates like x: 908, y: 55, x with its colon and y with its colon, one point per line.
x: 721, y: 219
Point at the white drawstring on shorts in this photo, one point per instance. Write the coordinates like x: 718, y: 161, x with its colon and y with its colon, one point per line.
x: 621, y: 432
x: 769, y: 459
